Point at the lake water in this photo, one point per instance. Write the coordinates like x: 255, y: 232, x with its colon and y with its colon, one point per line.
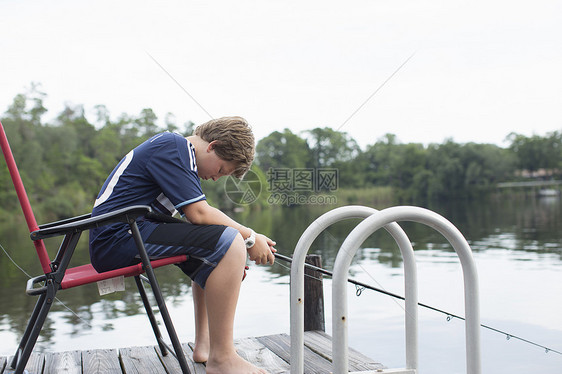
x: 517, y: 247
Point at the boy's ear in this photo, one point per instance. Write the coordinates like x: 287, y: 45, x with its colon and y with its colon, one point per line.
x: 212, y: 145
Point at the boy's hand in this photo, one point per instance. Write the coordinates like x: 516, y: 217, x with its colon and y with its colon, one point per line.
x: 262, y: 252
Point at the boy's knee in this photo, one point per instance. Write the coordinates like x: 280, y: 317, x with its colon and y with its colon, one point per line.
x: 238, y: 246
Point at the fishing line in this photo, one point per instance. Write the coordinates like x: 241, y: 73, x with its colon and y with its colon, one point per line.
x: 376, y: 91
x: 29, y: 276
x: 179, y: 84
x: 360, y: 286
x: 358, y: 290
x: 14, y: 262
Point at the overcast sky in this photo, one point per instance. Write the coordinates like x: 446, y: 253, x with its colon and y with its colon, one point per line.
x: 479, y: 69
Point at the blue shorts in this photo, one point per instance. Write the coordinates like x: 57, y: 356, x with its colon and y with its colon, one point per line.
x: 205, y: 246
x: 113, y: 247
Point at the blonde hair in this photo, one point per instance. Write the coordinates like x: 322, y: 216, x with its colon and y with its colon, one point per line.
x: 234, y: 141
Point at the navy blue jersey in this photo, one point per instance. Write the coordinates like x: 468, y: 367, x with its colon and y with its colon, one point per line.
x: 161, y: 172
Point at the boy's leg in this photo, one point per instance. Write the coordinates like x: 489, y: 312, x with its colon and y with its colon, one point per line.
x: 222, y: 284
x: 221, y: 296
x: 201, y: 350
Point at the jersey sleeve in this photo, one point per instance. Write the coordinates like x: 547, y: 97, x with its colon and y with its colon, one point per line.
x: 173, y: 168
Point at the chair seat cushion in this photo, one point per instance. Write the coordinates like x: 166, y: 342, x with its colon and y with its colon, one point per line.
x: 85, y: 274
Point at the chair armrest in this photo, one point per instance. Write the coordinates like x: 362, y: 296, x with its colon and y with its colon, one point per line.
x: 64, y: 221
x: 86, y: 222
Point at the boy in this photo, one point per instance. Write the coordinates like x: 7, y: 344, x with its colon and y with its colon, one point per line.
x: 164, y: 172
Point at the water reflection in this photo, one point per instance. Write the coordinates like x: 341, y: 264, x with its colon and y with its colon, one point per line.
x: 530, y: 225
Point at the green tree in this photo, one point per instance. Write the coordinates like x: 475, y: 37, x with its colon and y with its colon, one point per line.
x: 485, y: 165
x: 146, y: 122
x: 329, y: 146
x: 20, y: 110
x: 22, y: 123
x: 63, y: 164
x: 536, y: 152
x: 170, y: 122
x: 554, y: 147
x: 73, y: 118
x: 108, y: 149
x: 390, y: 163
x: 188, y: 128
x: 102, y: 115
x: 445, y: 162
x: 377, y: 161
x: 407, y: 164
x: 282, y: 150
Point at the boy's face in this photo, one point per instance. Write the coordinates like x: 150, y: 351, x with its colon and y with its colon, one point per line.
x: 211, y: 166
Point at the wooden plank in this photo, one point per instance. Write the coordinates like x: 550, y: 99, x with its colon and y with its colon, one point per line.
x: 255, y: 352
x: 173, y: 366
x: 34, y: 365
x: 101, y: 361
x: 3, y: 363
x: 321, y: 343
x: 140, y: 360
x: 63, y: 362
x: 269, y: 352
x: 281, y: 345
x: 199, y: 368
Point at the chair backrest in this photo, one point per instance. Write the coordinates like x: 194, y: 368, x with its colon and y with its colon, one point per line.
x: 24, y: 201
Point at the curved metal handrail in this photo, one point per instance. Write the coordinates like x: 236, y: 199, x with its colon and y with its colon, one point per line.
x: 349, y: 248
x: 297, y: 282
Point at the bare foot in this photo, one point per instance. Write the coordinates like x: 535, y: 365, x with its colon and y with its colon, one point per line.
x: 201, y: 351
x: 233, y: 364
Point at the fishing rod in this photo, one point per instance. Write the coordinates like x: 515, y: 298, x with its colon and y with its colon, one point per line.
x: 449, y: 315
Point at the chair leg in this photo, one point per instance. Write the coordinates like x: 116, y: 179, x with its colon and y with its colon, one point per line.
x: 167, y: 321
x: 159, y: 298
x: 150, y: 315
x: 31, y: 333
x: 27, y: 332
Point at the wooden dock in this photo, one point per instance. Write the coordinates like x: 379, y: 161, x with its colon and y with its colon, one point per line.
x: 269, y: 352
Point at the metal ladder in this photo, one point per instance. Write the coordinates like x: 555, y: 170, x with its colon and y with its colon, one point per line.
x: 373, y: 221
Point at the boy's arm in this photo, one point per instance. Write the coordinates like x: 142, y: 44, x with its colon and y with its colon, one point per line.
x: 201, y: 213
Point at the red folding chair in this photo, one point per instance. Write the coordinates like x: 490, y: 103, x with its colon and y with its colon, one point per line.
x: 58, y: 276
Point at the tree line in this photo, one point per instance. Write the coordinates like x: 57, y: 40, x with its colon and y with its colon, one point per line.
x: 416, y: 173
x: 64, y: 163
